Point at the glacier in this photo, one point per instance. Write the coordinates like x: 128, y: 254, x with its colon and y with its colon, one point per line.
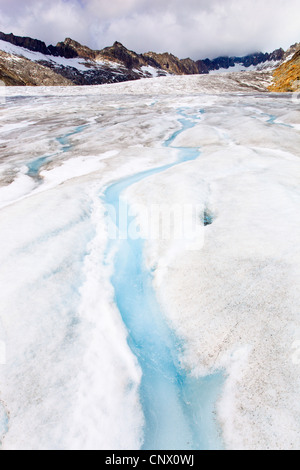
x: 223, y: 319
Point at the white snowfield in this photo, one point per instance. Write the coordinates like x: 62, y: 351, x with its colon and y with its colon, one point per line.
x: 68, y: 378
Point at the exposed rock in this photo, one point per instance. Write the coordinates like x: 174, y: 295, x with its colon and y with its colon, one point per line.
x: 291, y: 51
x: 9, y: 77
x: 118, y: 52
x: 22, y: 72
x: 71, y: 49
x: 172, y: 64
x: 29, y: 43
x: 202, y: 67
x: 93, y: 76
x: 190, y: 66
x: 246, y: 61
x: 35, y: 45
x: 278, y: 54
x: 287, y: 75
x: 219, y: 63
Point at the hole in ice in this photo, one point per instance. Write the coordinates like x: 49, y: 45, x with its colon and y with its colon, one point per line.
x: 154, y: 268
x: 207, y: 218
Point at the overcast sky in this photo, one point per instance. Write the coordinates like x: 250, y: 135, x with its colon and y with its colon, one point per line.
x: 187, y: 28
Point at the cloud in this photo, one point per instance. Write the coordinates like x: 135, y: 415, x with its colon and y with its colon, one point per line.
x: 195, y: 28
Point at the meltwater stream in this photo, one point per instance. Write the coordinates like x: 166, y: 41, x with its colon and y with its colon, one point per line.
x: 178, y: 409
x: 35, y: 165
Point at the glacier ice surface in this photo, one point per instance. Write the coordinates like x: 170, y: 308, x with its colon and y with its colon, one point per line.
x: 70, y: 379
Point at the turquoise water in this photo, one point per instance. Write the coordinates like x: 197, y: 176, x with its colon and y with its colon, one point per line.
x: 272, y: 120
x: 178, y: 409
x: 64, y: 140
x: 35, y: 165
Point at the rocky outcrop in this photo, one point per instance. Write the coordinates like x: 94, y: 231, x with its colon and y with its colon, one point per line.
x: 189, y: 66
x: 28, y: 43
x: 71, y: 49
x: 62, y: 50
x: 121, y: 54
x: 277, y: 55
x: 172, y: 64
x: 93, y: 76
x: 23, y: 72
x: 287, y: 75
x: 202, y: 67
x: 291, y: 51
x: 35, y: 45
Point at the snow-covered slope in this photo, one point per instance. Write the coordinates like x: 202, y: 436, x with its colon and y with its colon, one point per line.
x: 79, y: 70
x: 79, y: 64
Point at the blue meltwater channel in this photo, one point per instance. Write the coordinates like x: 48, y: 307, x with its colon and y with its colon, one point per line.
x: 35, y: 165
x: 179, y: 410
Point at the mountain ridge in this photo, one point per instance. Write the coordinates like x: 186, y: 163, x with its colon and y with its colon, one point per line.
x: 80, y: 65
x: 70, y: 48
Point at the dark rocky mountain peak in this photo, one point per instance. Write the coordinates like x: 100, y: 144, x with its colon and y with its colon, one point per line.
x: 251, y: 59
x: 28, y: 43
x: 71, y: 49
x: 35, y: 45
x: 120, y: 53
